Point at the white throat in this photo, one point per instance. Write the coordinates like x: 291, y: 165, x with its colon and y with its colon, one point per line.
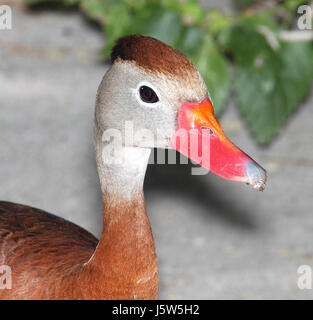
x: 122, y: 175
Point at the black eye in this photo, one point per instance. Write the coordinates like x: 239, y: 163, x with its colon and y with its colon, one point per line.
x: 148, y: 95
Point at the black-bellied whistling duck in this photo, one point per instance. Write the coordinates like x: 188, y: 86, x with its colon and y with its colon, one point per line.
x: 157, y: 88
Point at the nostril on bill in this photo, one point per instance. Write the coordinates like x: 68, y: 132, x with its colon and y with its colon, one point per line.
x: 256, y: 174
x: 206, y: 130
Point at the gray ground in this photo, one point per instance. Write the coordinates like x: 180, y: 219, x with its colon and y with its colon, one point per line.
x: 214, y: 238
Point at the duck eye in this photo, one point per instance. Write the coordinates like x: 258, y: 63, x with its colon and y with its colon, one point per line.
x: 148, y: 95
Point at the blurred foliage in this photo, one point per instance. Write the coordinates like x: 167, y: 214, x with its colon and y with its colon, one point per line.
x: 270, y: 77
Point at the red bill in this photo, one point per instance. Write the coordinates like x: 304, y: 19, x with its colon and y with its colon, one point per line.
x: 200, y: 137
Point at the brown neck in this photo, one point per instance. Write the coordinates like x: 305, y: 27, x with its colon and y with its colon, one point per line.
x: 124, y: 264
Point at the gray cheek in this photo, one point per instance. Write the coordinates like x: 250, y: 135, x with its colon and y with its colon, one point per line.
x: 160, y: 121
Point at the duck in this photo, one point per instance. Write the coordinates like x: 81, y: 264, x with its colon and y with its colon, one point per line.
x: 152, y: 96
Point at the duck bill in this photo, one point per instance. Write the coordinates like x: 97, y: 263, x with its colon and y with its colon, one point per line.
x: 200, y: 137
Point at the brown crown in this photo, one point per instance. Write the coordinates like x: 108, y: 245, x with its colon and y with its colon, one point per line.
x: 151, y: 54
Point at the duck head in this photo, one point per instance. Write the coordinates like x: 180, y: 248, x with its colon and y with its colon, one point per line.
x: 157, y: 90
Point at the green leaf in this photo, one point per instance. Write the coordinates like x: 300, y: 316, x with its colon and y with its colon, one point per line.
x: 150, y: 20
x: 97, y: 9
x: 158, y: 22
x: 269, y: 83
x: 242, y: 4
x: 293, y: 5
x: 191, y: 10
x: 216, y: 22
x: 297, y: 58
x: 115, y: 30
x: 113, y: 15
x: 62, y: 2
x: 264, y: 18
x: 202, y: 51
